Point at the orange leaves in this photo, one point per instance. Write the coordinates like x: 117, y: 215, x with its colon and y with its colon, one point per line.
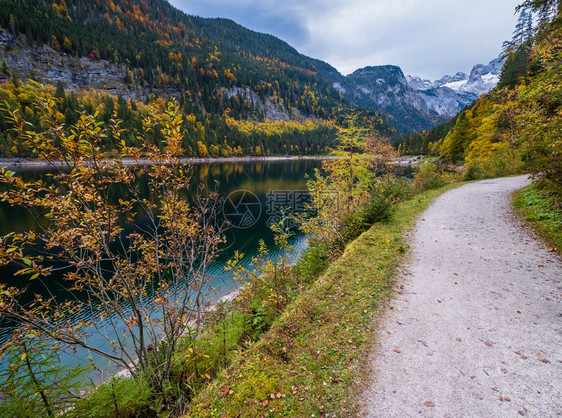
x: 148, y: 279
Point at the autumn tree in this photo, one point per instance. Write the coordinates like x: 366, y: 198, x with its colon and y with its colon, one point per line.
x: 540, y: 119
x: 348, y: 181
x: 139, y: 264
x: 67, y: 45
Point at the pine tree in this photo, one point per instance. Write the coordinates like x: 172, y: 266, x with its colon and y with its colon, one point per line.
x: 35, y: 383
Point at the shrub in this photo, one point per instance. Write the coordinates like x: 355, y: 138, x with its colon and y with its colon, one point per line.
x: 431, y: 176
x: 427, y: 177
x: 503, y: 162
x: 312, y: 262
x: 118, y: 397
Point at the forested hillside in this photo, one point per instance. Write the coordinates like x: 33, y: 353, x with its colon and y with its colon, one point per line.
x: 242, y: 92
x: 166, y: 48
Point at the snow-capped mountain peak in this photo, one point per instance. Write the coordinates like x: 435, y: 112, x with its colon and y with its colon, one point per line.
x: 450, y: 94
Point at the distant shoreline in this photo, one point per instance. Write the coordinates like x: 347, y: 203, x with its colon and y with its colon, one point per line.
x: 15, y: 163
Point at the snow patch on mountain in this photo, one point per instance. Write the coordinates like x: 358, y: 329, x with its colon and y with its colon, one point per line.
x: 455, y: 85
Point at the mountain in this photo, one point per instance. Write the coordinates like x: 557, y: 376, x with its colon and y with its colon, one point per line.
x: 450, y: 94
x: 149, y: 47
x: 385, y: 90
x: 241, y: 92
x: 143, y: 49
x: 411, y: 103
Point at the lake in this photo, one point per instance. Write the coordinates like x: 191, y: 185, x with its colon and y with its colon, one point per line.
x: 254, y: 193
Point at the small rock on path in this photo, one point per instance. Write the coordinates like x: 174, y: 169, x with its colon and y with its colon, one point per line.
x: 475, y: 325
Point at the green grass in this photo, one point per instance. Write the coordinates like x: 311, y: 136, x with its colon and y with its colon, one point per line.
x: 313, y: 358
x: 543, y: 212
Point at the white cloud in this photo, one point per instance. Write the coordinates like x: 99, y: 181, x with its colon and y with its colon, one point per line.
x: 425, y: 37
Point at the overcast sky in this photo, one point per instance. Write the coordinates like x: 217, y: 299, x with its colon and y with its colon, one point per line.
x: 429, y: 38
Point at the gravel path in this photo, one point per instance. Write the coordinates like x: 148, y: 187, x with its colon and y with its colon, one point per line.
x: 475, y: 326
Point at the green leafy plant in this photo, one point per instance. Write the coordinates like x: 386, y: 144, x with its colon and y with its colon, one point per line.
x: 117, y: 397
x: 35, y: 382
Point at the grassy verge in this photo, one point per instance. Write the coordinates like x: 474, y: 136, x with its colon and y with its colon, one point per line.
x: 310, y: 361
x: 543, y: 212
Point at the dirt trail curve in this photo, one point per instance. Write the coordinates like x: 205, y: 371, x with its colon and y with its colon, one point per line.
x: 475, y: 327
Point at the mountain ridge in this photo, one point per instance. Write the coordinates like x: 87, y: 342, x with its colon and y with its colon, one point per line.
x: 413, y: 102
x: 157, y: 49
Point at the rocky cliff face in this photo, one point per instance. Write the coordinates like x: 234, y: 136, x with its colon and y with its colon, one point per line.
x: 47, y: 66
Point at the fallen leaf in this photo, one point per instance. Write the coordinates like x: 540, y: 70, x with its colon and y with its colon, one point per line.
x: 488, y: 344
x: 306, y: 388
x: 279, y: 394
x: 396, y: 351
x: 272, y: 395
x: 265, y: 403
x: 545, y: 360
x: 524, y: 357
x: 459, y: 340
x: 518, y: 312
x: 230, y: 392
x: 429, y: 403
x: 504, y: 371
x: 506, y: 398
